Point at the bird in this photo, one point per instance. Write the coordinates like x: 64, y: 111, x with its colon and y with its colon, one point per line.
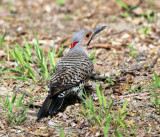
x: 70, y: 73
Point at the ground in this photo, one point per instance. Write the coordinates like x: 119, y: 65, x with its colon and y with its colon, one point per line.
x: 124, y: 52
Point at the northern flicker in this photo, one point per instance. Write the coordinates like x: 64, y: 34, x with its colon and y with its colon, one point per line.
x: 70, y: 73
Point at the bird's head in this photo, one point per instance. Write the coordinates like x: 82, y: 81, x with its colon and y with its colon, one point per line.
x: 84, y: 37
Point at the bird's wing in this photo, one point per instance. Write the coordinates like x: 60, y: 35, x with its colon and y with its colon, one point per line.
x: 70, y: 71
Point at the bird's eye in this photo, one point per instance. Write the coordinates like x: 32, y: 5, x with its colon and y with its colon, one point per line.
x: 87, y: 35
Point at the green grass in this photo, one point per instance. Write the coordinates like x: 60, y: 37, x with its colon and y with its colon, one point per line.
x: 92, y: 56
x: 145, y: 30
x: 150, y: 15
x: 155, y: 88
x: 109, y: 82
x: 127, y: 8
x: 151, y: 18
x: 101, y: 115
x: 68, y: 16
x: 48, y: 27
x: 138, y: 88
x: 2, y: 39
x: 61, y: 132
x: 60, y: 2
x: 60, y: 51
x: 24, y: 59
x: 15, y: 110
x: 154, y: 16
x: 128, y: 11
x: 150, y: 1
x: 113, y: 19
x: 132, y: 52
x: 36, y: 65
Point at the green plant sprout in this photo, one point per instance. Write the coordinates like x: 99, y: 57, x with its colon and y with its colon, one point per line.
x: 15, y: 110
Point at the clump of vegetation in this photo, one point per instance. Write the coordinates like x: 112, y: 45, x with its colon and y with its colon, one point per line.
x: 132, y: 51
x: 145, y: 30
x: 150, y: 15
x: 92, y: 57
x: 28, y: 66
x: 138, y: 88
x: 62, y: 134
x: 60, y: 2
x: 15, y: 110
x: 109, y: 82
x: 155, y: 88
x: 2, y: 39
x: 101, y: 115
x: 127, y: 8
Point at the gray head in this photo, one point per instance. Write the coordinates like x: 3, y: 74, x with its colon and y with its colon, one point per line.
x: 84, y: 37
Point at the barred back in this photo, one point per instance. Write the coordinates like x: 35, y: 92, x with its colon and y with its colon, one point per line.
x: 72, y: 69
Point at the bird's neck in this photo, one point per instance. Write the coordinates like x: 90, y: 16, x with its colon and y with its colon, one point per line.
x: 79, y: 47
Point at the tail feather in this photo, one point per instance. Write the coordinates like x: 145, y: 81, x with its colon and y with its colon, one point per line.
x: 50, y: 106
x: 55, y: 105
x: 44, y: 109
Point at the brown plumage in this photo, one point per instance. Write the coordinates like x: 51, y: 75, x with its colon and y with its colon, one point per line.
x: 70, y: 73
x: 72, y: 69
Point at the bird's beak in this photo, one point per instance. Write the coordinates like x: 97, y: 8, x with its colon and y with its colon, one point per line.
x: 96, y: 31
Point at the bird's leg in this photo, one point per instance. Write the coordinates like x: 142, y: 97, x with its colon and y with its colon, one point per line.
x: 95, y: 76
x: 80, y: 95
x: 49, y: 89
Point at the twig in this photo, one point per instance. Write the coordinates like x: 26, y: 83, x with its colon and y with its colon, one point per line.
x: 116, y: 33
x: 138, y: 68
x: 132, y: 95
x: 17, y: 89
x: 32, y: 133
x: 15, y: 127
x: 34, y: 105
x: 26, y: 93
x: 154, y: 117
x: 155, y: 60
x: 117, y: 103
x: 103, y: 78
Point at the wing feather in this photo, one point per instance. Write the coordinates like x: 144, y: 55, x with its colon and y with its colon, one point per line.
x: 70, y: 71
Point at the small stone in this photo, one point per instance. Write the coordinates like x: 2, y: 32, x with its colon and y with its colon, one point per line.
x: 97, y: 134
x: 73, y: 124
x: 151, y: 46
x: 77, y: 104
x: 125, y: 36
x: 138, y: 11
x: 65, y: 116
x: 68, y: 109
x: 47, y: 8
x: 19, y: 29
x: 51, y: 123
x: 60, y: 114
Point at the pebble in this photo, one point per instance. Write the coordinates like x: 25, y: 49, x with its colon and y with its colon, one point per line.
x: 51, y: 123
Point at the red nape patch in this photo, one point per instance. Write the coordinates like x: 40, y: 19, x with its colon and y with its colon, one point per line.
x: 73, y: 44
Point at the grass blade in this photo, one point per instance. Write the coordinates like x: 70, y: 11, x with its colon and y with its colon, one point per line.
x: 106, y: 126
x: 99, y: 94
x: 157, y: 80
x: 2, y: 39
x: 60, y: 51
